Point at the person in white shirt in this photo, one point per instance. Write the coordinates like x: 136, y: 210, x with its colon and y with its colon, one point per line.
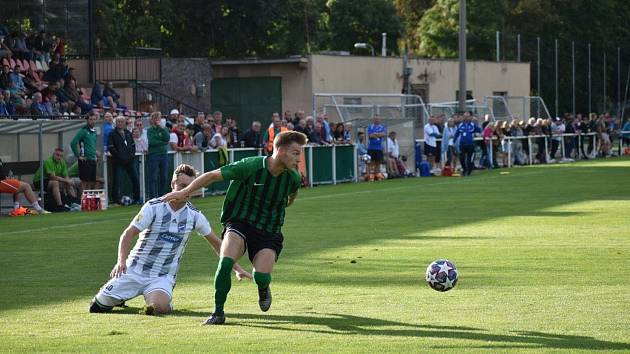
x: 393, y: 154
x: 150, y: 269
x: 557, y: 129
x: 431, y: 134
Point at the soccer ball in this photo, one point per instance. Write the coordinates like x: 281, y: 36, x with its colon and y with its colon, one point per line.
x: 126, y: 200
x: 442, y: 275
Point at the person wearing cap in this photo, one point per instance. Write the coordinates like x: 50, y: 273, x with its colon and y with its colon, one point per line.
x: 171, y: 122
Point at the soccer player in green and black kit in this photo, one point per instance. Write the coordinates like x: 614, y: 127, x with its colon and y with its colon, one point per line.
x: 253, y: 213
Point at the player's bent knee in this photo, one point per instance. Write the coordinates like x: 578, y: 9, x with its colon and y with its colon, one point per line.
x: 102, y: 304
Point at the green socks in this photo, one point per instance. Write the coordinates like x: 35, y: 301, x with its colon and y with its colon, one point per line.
x: 262, y: 279
x: 222, y: 284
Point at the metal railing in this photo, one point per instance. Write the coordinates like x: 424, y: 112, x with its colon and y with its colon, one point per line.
x: 144, y: 95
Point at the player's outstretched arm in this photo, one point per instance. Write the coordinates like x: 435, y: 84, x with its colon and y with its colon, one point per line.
x: 292, y: 197
x: 124, y: 247
x: 215, y: 243
x: 205, y: 179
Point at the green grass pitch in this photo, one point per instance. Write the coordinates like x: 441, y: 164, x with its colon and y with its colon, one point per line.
x: 543, y: 254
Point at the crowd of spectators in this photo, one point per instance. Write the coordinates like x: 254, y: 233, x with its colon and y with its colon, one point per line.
x: 36, y: 81
x: 542, y: 139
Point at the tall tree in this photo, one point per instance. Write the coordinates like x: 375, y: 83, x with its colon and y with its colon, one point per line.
x: 354, y: 21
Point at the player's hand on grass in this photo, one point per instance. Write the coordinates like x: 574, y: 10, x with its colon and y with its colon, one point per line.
x: 119, y: 270
x: 242, y: 273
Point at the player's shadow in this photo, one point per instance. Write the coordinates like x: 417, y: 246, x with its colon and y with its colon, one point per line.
x: 342, y: 324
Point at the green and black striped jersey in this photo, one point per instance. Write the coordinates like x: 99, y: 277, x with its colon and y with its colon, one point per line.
x: 255, y: 196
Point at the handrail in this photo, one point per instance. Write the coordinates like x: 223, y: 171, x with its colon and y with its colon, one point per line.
x: 177, y: 102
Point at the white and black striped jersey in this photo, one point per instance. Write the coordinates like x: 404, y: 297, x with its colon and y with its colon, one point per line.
x: 164, y: 236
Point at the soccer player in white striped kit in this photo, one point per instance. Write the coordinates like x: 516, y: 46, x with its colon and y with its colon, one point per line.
x: 151, y: 267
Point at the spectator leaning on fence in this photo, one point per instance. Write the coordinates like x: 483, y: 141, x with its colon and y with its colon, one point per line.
x: 271, y: 132
x: 252, y: 137
x: 123, y: 151
x: 84, y: 148
x: 158, y: 160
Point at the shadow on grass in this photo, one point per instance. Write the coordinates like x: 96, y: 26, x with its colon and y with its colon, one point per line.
x: 342, y: 324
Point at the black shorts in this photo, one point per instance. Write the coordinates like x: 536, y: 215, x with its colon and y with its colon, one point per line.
x: 255, y: 240
x: 87, y: 170
x: 376, y: 155
x: 430, y: 150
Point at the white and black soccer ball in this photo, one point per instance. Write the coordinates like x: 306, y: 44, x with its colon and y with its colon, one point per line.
x: 442, y: 275
x: 126, y: 200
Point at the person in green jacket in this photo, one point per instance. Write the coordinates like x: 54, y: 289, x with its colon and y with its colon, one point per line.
x: 158, y: 161
x: 84, y: 148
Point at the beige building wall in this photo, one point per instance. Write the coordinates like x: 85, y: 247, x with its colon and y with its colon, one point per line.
x: 482, y: 78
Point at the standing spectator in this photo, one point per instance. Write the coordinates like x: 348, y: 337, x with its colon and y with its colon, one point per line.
x: 141, y: 145
x: 220, y: 140
x: 178, y: 139
x: 301, y: 127
x: 431, y: 134
x: 557, y: 129
x: 315, y: 134
x: 234, y: 133
x: 466, y: 134
x: 326, y: 132
x: 362, y: 154
x: 218, y: 121
x: 158, y: 161
x: 203, y: 138
x: 122, y: 147
x: 275, y: 129
x: 252, y: 137
x: 172, y: 120
x: 84, y: 148
x: 56, y: 179
x: 139, y: 124
x: 376, y: 134
x: 199, y: 122
x: 299, y: 115
x: 626, y: 136
x: 338, y: 135
x: 15, y: 187
x: 108, y: 127
x: 448, y: 143
x: 393, y: 155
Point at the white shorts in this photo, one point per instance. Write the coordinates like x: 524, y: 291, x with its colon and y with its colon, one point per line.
x: 132, y: 284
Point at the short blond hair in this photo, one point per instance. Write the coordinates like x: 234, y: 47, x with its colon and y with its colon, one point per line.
x: 186, y: 169
x: 287, y: 138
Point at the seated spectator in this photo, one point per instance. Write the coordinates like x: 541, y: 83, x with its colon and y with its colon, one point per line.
x: 10, y: 106
x: 15, y: 187
x: 109, y: 92
x: 97, y: 98
x: 57, y: 181
x: 202, y: 139
x: 53, y: 107
x: 252, y: 137
x: 5, y: 51
x: 5, y: 77
x: 38, y: 108
x: 16, y: 78
x: 18, y: 46
x: 4, y: 112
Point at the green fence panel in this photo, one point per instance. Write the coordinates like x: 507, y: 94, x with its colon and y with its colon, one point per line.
x: 322, y: 164
x: 344, y: 162
x: 241, y: 154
